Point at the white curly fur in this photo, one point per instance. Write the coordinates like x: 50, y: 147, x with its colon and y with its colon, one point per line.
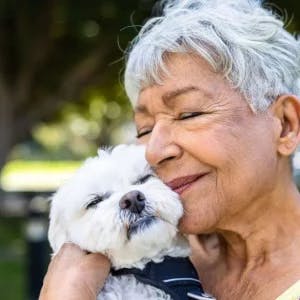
x: 103, y: 228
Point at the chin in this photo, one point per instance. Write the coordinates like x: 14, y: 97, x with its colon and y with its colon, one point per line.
x: 197, y: 221
x: 187, y: 226
x: 116, y: 206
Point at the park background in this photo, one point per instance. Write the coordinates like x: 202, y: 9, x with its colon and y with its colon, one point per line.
x: 61, y: 96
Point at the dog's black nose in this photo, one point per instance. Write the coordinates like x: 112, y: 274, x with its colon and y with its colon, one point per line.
x: 133, y: 201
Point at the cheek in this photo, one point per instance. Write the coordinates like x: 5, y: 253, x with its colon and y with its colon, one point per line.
x: 165, y: 203
x: 99, y: 229
x: 140, y: 141
x: 211, y: 147
x: 238, y: 160
x: 229, y: 146
x: 202, y: 207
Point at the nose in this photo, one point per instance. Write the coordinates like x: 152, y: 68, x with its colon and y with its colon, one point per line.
x: 161, y: 145
x: 134, y: 201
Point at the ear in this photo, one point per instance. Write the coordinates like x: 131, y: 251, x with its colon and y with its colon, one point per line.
x: 119, y: 148
x: 103, y: 152
x: 57, y: 233
x: 287, y: 111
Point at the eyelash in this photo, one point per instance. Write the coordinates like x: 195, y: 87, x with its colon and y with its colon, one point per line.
x: 144, y: 179
x: 180, y: 118
x: 139, y: 135
x: 189, y: 115
x: 96, y: 199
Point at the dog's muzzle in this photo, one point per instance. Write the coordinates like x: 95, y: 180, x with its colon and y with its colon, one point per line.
x: 134, y: 201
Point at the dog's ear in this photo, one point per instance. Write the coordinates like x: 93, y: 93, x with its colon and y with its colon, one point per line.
x: 130, y: 149
x: 119, y: 148
x: 104, y: 151
x: 57, y: 233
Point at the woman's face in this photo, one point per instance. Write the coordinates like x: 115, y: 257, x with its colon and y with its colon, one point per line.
x: 204, y: 141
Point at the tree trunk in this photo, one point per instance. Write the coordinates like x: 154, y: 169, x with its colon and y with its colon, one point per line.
x: 6, y: 124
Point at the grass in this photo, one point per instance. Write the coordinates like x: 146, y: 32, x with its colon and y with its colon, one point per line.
x: 12, y: 280
x: 17, y: 271
x: 12, y: 259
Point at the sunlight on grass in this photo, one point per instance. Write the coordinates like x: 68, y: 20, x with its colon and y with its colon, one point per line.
x: 36, y: 175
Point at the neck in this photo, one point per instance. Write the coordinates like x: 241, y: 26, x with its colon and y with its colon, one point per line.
x: 259, y: 241
x: 263, y: 229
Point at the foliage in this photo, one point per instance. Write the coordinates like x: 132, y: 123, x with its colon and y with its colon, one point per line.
x: 60, y: 62
x: 56, y: 52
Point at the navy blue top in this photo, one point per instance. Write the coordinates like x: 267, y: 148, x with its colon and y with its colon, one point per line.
x: 176, y: 276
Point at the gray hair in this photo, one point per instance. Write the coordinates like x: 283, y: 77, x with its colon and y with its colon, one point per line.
x: 238, y: 38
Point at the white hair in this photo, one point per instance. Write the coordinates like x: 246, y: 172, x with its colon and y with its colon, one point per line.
x: 245, y: 42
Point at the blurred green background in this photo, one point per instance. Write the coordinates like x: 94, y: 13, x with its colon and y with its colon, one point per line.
x: 61, y: 96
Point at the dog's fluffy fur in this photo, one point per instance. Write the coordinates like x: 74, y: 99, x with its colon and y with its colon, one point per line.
x: 106, y: 228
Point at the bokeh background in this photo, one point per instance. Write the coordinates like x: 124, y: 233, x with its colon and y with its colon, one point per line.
x: 61, y: 96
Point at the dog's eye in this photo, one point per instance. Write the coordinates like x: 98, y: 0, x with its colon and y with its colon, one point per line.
x: 144, y: 179
x: 97, y: 199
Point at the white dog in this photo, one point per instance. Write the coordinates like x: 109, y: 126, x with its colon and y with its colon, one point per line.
x: 115, y: 205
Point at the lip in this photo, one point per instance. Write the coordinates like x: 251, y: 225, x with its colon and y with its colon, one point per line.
x: 180, y: 184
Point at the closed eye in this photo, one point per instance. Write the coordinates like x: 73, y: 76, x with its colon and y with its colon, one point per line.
x: 142, y: 133
x: 144, y: 179
x: 188, y: 115
x: 95, y: 199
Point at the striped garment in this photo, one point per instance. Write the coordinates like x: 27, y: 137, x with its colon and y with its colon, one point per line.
x: 176, y: 276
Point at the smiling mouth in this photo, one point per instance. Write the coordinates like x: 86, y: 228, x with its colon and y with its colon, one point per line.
x: 139, y: 225
x: 179, y: 185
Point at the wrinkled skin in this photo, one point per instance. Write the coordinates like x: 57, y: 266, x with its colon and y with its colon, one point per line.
x: 245, y: 199
x: 243, y: 213
x: 74, y: 274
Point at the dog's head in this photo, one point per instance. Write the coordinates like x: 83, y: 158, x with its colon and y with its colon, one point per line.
x: 115, y: 205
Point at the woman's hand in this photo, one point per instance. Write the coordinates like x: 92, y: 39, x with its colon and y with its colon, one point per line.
x: 74, y: 275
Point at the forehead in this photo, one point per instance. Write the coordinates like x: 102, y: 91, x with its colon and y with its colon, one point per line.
x: 186, y: 74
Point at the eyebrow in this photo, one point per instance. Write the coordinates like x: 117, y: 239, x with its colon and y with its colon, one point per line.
x: 140, y: 109
x: 178, y: 92
x: 172, y: 95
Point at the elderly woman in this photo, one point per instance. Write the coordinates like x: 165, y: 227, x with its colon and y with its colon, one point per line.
x: 215, y: 86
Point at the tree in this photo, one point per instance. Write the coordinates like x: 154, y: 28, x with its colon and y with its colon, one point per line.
x: 52, y: 52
